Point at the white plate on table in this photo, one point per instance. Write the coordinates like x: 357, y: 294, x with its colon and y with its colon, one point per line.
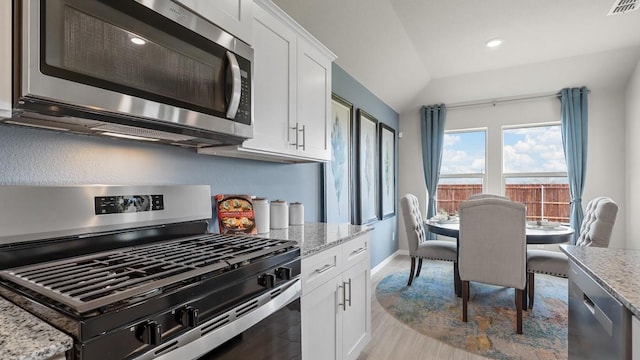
x: 444, y: 221
x: 545, y: 226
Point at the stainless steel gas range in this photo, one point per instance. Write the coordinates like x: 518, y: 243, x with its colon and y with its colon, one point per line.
x: 131, y: 272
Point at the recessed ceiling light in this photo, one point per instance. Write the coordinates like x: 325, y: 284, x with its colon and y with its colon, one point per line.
x: 138, y: 41
x: 494, y: 43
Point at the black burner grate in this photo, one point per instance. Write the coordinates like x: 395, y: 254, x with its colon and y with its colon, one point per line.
x: 89, y: 282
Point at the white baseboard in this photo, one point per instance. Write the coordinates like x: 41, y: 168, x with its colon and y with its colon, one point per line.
x: 387, y: 260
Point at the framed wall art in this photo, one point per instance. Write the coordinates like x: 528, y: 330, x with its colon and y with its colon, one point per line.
x: 367, y: 164
x: 337, y: 172
x: 387, y: 165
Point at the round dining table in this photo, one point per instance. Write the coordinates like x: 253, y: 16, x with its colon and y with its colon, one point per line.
x: 535, y: 235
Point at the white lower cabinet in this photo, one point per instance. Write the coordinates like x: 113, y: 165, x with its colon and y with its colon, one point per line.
x: 635, y: 338
x: 336, y: 302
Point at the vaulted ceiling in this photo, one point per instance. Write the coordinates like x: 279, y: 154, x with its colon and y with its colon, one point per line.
x: 396, y: 47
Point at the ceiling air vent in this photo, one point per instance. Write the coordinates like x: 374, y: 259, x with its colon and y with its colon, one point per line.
x: 623, y: 6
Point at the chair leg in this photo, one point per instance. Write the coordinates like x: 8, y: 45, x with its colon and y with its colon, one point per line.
x: 413, y: 268
x: 519, y: 296
x: 465, y: 299
x: 530, y: 284
x: 419, y: 267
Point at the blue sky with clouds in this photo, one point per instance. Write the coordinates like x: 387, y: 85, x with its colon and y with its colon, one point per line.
x: 531, y: 149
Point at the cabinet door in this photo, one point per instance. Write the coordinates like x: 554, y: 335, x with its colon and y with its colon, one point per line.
x: 322, y: 321
x: 274, y: 84
x: 314, y: 95
x: 356, y: 320
x: 234, y: 16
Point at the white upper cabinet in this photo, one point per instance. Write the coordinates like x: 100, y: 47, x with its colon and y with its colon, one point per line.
x: 274, y: 85
x: 234, y: 16
x: 291, y: 92
x: 314, y: 101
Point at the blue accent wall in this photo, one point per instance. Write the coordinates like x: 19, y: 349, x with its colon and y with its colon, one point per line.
x: 41, y: 157
x: 384, y: 237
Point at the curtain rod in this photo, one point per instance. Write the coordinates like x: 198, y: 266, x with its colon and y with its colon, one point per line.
x: 494, y: 102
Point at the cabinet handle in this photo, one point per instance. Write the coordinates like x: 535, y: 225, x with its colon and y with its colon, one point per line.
x: 348, y: 300
x: 325, y: 268
x: 295, y: 128
x: 359, y: 251
x: 344, y: 296
x: 304, y: 137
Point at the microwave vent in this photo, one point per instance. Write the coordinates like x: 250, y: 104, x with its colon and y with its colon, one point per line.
x: 623, y: 6
x: 141, y: 132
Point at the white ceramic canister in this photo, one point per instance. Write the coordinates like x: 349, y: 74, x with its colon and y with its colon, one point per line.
x: 261, y: 212
x: 279, y: 214
x: 296, y: 214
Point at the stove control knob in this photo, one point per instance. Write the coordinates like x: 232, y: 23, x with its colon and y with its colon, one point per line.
x: 149, y: 332
x: 267, y: 280
x: 283, y: 273
x: 187, y: 316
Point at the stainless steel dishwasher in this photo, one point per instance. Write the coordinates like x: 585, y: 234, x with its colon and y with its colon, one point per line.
x: 599, y: 325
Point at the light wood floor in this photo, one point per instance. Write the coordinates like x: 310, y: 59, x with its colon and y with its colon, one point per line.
x: 393, y: 339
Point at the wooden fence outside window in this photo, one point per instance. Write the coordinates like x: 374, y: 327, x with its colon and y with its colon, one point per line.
x: 543, y: 201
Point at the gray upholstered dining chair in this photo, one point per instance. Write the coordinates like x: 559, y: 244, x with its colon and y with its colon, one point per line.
x: 487, y: 196
x: 595, y: 230
x: 419, y: 246
x: 493, y: 248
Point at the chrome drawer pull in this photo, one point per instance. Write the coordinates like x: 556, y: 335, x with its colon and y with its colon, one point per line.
x: 359, y: 251
x: 325, y: 268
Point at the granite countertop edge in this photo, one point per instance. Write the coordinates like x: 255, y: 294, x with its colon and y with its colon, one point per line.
x: 320, y: 248
x: 25, y: 337
x: 611, y: 278
x: 314, y: 238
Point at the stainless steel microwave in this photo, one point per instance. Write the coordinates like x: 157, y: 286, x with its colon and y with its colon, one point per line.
x: 133, y: 68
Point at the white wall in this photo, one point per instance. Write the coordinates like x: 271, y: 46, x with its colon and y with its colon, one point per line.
x: 606, y: 174
x: 633, y: 157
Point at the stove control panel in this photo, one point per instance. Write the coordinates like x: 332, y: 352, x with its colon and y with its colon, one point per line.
x: 128, y: 204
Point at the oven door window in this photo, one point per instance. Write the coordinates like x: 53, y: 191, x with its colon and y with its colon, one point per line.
x: 274, y: 338
x: 130, y: 51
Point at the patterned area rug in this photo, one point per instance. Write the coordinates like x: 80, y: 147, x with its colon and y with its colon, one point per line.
x: 431, y: 307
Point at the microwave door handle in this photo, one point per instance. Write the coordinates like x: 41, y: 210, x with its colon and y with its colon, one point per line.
x: 236, y: 87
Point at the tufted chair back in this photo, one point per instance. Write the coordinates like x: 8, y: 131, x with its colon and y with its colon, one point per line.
x: 597, y: 225
x: 487, y: 196
x: 413, y: 222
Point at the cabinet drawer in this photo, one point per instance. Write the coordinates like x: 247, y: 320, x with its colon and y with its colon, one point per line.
x: 319, y: 268
x: 355, y: 250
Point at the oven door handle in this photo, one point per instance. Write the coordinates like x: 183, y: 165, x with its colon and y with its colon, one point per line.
x: 194, y: 346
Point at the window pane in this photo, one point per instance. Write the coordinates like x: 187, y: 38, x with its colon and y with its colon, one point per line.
x: 463, y: 153
x: 533, y: 150
x: 545, y: 198
x: 451, y: 191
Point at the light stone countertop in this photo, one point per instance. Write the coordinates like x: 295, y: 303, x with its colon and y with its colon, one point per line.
x: 25, y: 337
x: 616, y: 270
x: 315, y: 237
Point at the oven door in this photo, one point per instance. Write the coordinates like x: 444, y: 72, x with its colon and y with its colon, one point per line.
x: 263, y: 328
x: 139, y: 58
